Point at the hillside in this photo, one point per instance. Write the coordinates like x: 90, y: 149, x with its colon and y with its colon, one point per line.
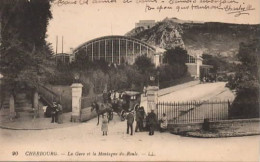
x: 214, y: 38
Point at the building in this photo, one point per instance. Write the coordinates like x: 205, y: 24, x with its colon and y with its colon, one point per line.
x: 124, y: 50
x: 145, y: 23
x: 63, y: 58
x: 195, y: 66
x: 117, y: 50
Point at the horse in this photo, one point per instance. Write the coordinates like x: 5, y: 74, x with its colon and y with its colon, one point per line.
x: 101, y: 109
x: 121, y: 108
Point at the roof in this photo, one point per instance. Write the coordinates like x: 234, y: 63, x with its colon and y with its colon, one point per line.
x: 159, y: 50
x: 206, y: 66
x: 131, y: 93
x: 112, y: 36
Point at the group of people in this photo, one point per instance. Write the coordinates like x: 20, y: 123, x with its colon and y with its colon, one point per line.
x: 139, y: 117
x: 56, y: 113
x: 111, y: 96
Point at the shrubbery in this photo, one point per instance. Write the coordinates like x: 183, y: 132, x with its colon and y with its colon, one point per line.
x: 98, y: 75
x: 246, y: 82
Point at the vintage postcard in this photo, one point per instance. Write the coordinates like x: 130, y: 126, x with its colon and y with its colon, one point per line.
x: 129, y: 80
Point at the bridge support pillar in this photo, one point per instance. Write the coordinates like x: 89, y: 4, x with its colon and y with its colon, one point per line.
x: 76, y: 102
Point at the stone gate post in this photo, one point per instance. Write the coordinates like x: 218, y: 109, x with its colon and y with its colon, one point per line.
x: 12, y: 112
x: 152, y: 98
x: 76, y: 103
x: 36, y: 104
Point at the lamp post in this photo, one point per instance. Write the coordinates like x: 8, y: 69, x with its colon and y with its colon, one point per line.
x: 152, y: 79
x: 76, y: 77
x: 158, y: 79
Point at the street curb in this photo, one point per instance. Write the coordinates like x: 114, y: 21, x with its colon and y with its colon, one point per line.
x: 220, y: 135
x: 37, y: 129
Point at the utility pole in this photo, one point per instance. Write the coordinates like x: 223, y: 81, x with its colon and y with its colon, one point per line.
x: 56, y: 49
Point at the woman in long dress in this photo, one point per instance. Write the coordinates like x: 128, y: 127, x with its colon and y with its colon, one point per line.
x: 104, y: 126
x: 60, y: 114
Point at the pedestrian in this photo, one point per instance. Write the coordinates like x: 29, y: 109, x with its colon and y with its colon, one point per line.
x: 117, y: 95
x: 163, y: 123
x: 104, y: 126
x: 60, y: 113
x: 34, y: 113
x: 142, y: 117
x: 152, y: 122
x: 54, y: 112
x: 145, y: 91
x: 139, y: 120
x: 44, y: 110
x: 130, y: 121
x: 109, y: 97
x: 105, y: 96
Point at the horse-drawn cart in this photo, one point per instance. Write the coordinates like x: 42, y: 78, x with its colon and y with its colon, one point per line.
x: 126, y: 103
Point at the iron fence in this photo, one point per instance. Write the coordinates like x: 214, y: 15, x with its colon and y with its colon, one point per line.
x: 193, y: 111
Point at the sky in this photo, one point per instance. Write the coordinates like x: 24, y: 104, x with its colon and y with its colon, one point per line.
x: 81, y: 23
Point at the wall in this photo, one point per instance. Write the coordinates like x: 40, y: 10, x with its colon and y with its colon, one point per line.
x: 86, y: 114
x: 237, y: 125
x: 192, y: 69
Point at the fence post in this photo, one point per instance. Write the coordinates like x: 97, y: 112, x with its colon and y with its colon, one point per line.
x: 76, y: 103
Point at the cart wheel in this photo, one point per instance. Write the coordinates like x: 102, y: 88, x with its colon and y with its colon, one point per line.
x: 122, y: 118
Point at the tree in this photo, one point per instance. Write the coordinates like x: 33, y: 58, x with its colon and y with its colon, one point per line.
x: 175, y: 56
x: 23, y: 47
x: 176, y: 59
x: 143, y: 63
x: 246, y: 81
x: 218, y: 63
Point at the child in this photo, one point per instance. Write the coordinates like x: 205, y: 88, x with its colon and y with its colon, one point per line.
x: 104, y: 126
x: 163, y: 124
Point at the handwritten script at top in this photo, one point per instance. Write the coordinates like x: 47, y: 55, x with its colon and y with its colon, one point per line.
x: 233, y: 7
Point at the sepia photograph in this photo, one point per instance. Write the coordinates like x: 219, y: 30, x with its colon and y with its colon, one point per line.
x: 130, y: 80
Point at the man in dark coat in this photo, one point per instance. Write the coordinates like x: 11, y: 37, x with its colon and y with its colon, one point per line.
x: 139, y: 119
x: 54, y: 113
x: 105, y: 96
x: 152, y: 122
x: 130, y: 121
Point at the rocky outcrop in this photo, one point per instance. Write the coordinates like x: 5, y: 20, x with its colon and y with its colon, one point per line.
x: 208, y: 37
x: 165, y: 34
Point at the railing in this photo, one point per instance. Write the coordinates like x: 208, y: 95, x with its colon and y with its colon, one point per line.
x: 193, y: 111
x: 48, y: 96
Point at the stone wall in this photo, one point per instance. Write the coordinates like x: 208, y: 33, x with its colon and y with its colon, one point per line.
x: 236, y: 125
x: 86, y: 114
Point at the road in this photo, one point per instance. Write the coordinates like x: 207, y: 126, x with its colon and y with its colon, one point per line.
x: 86, y: 138
x: 207, y: 91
